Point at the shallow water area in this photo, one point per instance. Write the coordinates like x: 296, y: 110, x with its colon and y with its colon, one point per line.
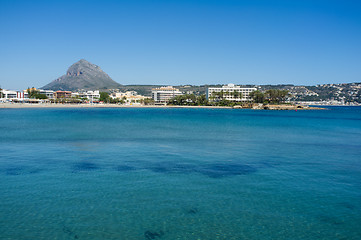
x: 180, y: 174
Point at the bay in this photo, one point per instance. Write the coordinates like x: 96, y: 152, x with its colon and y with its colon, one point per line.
x: 168, y: 173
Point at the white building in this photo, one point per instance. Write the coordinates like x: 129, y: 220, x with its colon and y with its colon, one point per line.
x: 163, y: 94
x: 48, y: 93
x: 230, y: 92
x: 121, y: 95
x: 130, y: 97
x: 90, y: 95
x: 8, y: 94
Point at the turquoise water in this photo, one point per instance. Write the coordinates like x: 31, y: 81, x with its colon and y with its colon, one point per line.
x: 168, y: 174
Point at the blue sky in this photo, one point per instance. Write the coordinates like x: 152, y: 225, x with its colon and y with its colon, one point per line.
x: 182, y: 42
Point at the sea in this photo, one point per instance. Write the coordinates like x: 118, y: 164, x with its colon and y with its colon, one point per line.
x: 177, y: 173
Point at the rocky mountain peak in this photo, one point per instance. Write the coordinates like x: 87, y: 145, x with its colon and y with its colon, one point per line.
x: 81, y: 67
x: 83, y: 75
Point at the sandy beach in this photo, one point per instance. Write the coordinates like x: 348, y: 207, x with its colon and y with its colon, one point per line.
x: 47, y: 105
x: 25, y: 105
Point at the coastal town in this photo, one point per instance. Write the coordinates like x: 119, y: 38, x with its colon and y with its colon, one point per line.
x: 165, y: 95
x: 180, y: 120
x: 86, y: 84
x: 230, y: 95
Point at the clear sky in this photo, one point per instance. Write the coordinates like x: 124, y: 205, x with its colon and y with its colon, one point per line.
x: 303, y: 42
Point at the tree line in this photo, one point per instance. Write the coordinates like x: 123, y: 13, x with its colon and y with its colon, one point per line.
x: 273, y: 96
x: 35, y: 94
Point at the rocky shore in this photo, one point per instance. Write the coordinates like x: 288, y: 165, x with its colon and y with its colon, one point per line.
x: 285, y: 107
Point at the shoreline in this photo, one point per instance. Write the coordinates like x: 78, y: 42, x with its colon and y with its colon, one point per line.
x: 37, y: 106
x: 25, y: 105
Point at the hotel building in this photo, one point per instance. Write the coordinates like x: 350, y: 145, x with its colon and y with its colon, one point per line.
x: 8, y: 94
x: 48, y: 93
x: 163, y: 94
x: 229, y: 92
x: 90, y: 95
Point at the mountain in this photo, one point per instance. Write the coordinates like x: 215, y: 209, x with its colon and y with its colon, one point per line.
x: 83, y: 75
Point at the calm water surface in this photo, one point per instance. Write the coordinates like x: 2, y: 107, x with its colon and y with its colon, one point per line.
x: 168, y: 174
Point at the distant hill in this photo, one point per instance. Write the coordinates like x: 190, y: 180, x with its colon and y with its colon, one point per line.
x: 83, y: 75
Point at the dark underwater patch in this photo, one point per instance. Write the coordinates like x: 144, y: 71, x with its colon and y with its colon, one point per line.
x: 217, y: 170
x: 125, y: 168
x: 85, y: 166
x: 348, y: 205
x: 268, y: 164
x: 33, y: 171
x: 70, y: 233
x: 160, y: 169
x: 170, y: 167
x: 14, y: 171
x: 192, y: 211
x: 183, y: 168
x: 225, y: 170
x: 330, y: 220
x: 149, y: 235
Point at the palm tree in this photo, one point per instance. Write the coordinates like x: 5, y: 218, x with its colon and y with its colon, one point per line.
x: 221, y: 94
x: 257, y: 96
x: 236, y: 94
x: 213, y: 96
